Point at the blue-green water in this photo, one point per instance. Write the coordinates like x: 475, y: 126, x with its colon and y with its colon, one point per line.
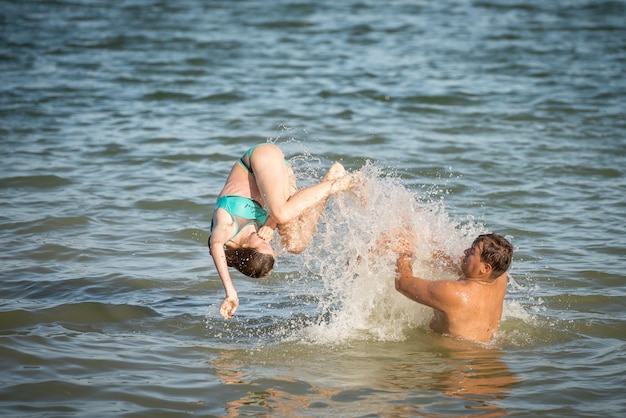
x: 120, y: 120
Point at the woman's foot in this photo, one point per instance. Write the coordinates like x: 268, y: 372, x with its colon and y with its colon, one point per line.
x: 345, y: 182
x: 334, y: 172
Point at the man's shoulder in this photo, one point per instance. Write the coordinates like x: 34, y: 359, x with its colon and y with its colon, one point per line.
x: 453, y: 291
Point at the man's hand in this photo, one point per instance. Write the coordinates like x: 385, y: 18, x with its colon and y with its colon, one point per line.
x: 404, y: 264
x: 398, y: 241
x: 402, y: 246
x: 229, y: 306
x: 448, y: 261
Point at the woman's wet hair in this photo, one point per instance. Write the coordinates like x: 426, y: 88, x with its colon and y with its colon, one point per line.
x: 249, y: 261
x: 497, y: 251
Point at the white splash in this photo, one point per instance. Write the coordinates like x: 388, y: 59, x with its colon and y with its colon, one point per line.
x: 357, y: 270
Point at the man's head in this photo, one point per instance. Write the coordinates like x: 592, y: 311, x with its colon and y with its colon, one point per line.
x: 496, y: 251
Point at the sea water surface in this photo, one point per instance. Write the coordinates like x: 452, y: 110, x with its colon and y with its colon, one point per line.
x: 119, y: 122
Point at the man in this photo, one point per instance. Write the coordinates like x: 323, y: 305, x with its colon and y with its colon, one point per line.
x: 470, y: 307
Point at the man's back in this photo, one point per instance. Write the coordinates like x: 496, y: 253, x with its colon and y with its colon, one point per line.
x: 473, y: 309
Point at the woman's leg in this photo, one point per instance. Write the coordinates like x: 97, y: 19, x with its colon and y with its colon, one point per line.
x: 297, y: 233
x: 273, y: 180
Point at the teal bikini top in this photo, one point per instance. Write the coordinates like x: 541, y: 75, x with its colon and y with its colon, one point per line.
x: 244, y: 212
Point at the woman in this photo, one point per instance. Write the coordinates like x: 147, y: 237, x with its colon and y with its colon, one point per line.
x: 259, y: 195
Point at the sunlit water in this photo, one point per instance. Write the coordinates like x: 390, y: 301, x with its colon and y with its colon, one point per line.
x: 120, y: 121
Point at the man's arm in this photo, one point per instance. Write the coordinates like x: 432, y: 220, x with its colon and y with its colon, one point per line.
x: 447, y: 261
x: 439, y: 294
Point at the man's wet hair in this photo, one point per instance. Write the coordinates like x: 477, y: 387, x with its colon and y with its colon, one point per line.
x: 497, y: 252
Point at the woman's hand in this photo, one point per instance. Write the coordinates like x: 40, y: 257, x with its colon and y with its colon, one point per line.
x: 229, y: 306
x: 266, y: 233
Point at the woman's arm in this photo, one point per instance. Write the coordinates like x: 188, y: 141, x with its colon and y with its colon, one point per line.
x: 273, y: 179
x: 222, y: 229
x: 267, y: 230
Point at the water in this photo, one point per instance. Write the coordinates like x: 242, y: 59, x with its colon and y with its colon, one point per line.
x: 119, y: 123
